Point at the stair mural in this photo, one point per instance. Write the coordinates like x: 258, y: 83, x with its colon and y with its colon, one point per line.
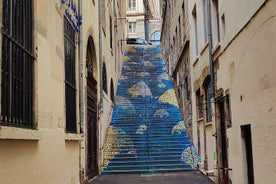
x: 147, y: 133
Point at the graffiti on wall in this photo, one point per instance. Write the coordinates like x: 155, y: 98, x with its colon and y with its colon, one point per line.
x: 71, y: 13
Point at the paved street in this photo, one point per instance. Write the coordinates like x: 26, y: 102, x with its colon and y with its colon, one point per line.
x: 187, y: 177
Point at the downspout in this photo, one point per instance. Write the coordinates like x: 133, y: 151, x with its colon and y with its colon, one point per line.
x: 146, y: 21
x: 81, y: 106
x: 100, y: 108
x: 212, y: 83
x: 100, y: 55
x: 115, y: 34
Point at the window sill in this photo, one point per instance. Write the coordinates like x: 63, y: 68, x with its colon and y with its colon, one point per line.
x: 195, y: 61
x: 199, y: 119
x: 208, y: 123
x: 216, y: 48
x: 13, y: 133
x: 205, y: 46
x: 73, y: 137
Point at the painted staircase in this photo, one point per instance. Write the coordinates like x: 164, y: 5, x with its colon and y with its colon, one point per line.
x: 147, y: 134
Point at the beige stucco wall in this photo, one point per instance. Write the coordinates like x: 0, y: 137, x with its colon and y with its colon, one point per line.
x: 247, y: 68
x: 48, y: 154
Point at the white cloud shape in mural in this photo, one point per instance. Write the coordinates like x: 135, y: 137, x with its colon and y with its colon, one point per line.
x: 141, y: 129
x: 161, y: 113
x: 178, y: 128
x: 125, y: 104
x: 143, y: 74
x: 149, y: 64
x: 161, y: 85
x: 139, y: 89
x: 163, y: 76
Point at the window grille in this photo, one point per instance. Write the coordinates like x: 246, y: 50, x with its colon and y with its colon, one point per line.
x: 199, y: 104
x: 131, y: 4
x: 110, y: 32
x: 70, y: 77
x: 104, y: 79
x: 17, y: 66
x: 208, y: 96
x: 112, y: 90
x: 132, y: 27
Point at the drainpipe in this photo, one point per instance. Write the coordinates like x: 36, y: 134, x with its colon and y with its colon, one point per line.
x: 100, y: 109
x: 212, y: 83
x: 81, y: 106
x: 100, y: 54
x: 146, y: 22
x: 115, y: 33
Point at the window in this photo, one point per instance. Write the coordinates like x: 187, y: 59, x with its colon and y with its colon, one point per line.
x: 132, y: 27
x: 104, y: 78
x: 103, y: 17
x: 131, y: 4
x: 199, y: 104
x: 208, y: 96
x: 247, y: 153
x: 180, y: 32
x: 112, y: 90
x: 195, y: 32
x: 17, y: 66
x: 215, y: 16
x: 110, y: 32
x: 228, y: 118
x: 186, y: 84
x: 223, y: 29
x: 205, y: 20
x: 70, y: 77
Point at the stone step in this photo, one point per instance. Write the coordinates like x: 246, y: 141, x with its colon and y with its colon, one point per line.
x: 148, y: 166
x: 146, y: 171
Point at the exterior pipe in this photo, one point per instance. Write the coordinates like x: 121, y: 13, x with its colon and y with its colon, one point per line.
x: 81, y: 106
x: 146, y: 21
x: 100, y: 108
x: 212, y: 83
x: 115, y: 34
x: 100, y: 55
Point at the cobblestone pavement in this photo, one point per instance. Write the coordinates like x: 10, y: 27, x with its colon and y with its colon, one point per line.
x: 187, y: 177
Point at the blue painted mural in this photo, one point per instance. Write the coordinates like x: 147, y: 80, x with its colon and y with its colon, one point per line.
x: 147, y: 133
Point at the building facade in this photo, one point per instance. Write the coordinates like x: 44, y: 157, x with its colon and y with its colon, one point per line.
x: 60, y: 63
x: 176, y: 50
x: 143, y: 19
x: 135, y: 13
x: 232, y: 107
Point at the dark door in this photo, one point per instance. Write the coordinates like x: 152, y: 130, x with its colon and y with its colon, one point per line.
x: 92, y: 163
x: 223, y: 140
x: 92, y: 119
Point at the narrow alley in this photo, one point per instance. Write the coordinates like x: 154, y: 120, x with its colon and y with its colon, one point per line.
x: 137, y: 91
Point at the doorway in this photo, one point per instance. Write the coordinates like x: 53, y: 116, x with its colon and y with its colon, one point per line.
x: 92, y: 119
x: 223, y: 162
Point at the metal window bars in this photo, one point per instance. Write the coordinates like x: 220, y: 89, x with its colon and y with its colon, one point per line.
x: 17, y: 67
x: 70, y: 77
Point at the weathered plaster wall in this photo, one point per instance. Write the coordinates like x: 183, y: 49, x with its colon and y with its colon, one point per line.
x: 48, y: 154
x: 247, y: 69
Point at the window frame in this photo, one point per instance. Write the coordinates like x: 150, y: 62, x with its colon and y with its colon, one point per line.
x: 104, y: 78
x: 132, y: 27
x: 132, y: 4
